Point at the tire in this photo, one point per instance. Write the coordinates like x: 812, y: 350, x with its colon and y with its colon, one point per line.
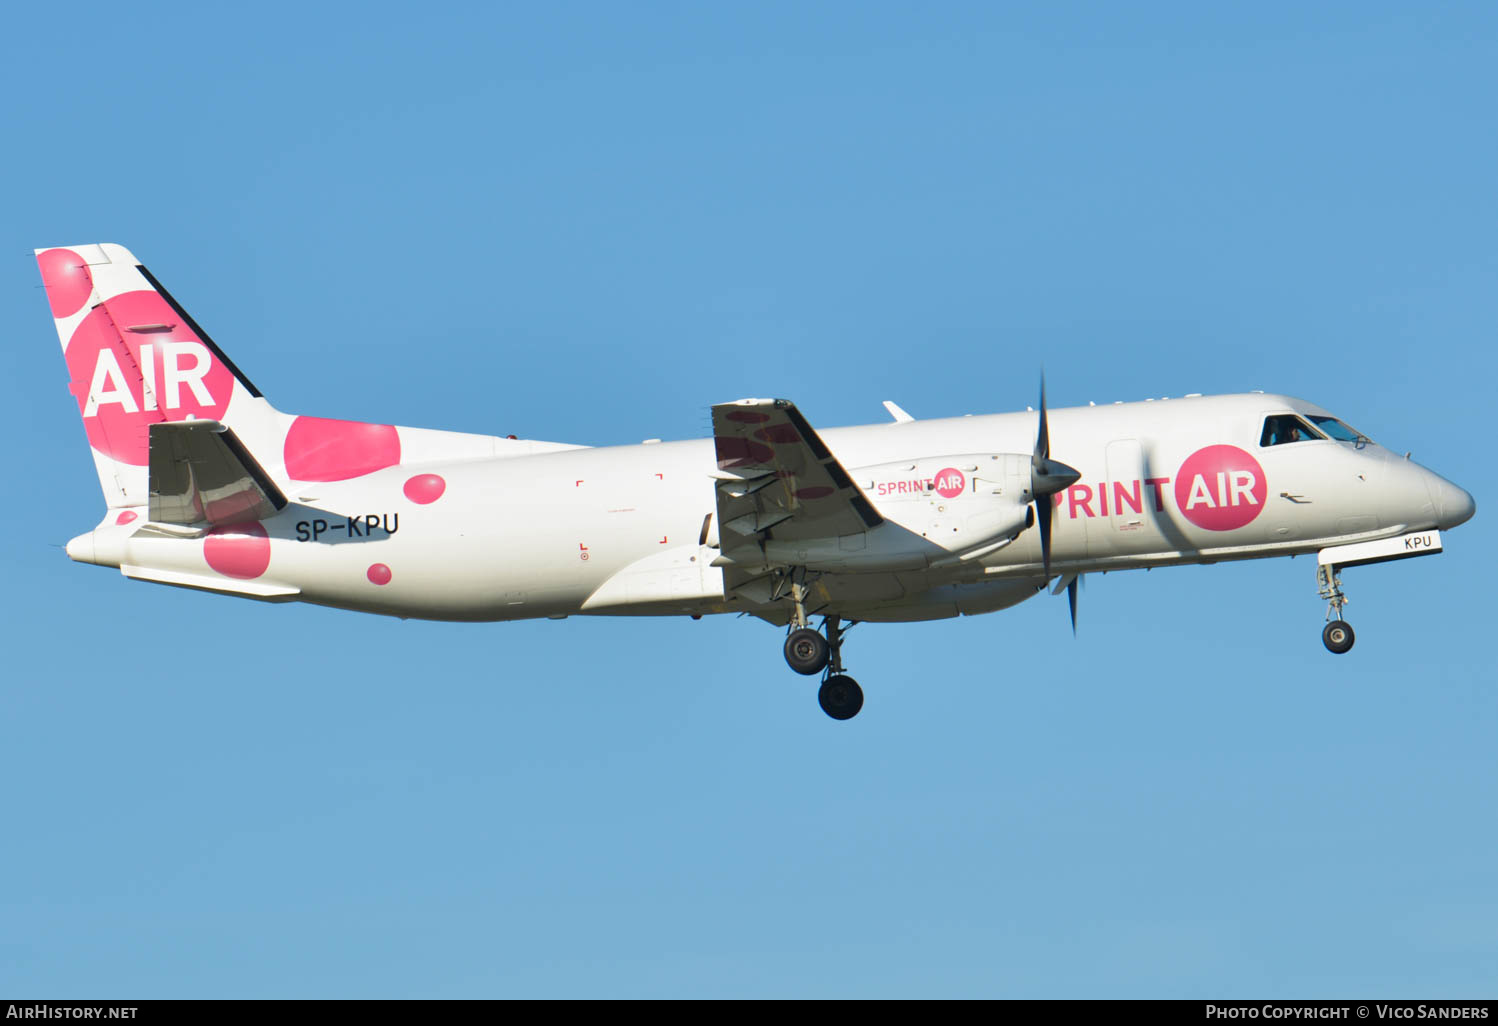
x: 840, y: 697
x: 806, y: 651
x: 1338, y: 637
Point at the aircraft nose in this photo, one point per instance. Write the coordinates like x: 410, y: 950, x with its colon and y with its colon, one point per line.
x: 1453, y: 505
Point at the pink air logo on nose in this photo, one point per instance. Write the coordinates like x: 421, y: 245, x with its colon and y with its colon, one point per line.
x: 950, y: 483
x: 1220, y: 488
x: 133, y: 363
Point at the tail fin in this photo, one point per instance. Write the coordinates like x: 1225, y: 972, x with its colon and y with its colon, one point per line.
x: 137, y: 358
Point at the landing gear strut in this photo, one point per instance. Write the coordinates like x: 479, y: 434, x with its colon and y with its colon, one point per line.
x: 809, y: 651
x: 806, y: 651
x: 1337, y: 635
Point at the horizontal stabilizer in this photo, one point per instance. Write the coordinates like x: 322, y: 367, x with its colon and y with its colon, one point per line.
x: 200, y: 471
x: 203, y: 582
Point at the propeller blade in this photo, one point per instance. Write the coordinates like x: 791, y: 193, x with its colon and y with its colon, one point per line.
x: 1047, y: 477
x: 1043, y: 436
x: 1043, y: 521
x: 1071, y: 598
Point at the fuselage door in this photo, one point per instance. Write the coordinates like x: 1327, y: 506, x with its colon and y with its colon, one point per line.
x: 1127, y: 495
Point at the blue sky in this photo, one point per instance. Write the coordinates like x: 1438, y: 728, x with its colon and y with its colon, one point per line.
x: 588, y: 222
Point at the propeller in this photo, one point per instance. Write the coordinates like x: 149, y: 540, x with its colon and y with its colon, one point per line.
x: 1071, y: 582
x: 1047, y: 477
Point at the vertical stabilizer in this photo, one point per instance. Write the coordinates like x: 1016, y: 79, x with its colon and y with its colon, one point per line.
x: 135, y: 358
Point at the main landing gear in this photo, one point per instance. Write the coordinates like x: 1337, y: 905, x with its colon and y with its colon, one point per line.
x: 840, y: 696
x: 1337, y: 635
x: 809, y: 651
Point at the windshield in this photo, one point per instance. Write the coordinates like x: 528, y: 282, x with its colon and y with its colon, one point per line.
x: 1284, y: 428
x: 1338, y: 430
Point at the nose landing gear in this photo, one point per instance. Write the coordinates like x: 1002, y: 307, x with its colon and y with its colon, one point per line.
x: 1337, y: 635
x: 808, y: 652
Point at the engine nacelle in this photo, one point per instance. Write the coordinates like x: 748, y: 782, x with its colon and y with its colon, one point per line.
x: 957, y: 502
x: 937, y: 510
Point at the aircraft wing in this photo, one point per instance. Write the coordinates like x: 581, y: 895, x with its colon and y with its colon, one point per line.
x: 199, y: 470
x: 775, y: 475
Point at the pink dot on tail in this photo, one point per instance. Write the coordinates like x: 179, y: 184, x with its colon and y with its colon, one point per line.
x: 379, y: 573
x: 67, y: 279
x: 238, y: 550
x: 318, y: 449
x: 425, y: 488
x: 126, y: 517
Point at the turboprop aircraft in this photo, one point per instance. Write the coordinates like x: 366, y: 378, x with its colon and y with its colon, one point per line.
x: 208, y: 486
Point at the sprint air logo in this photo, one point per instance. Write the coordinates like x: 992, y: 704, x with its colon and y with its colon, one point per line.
x: 133, y: 362
x: 948, y: 483
x: 1219, y: 488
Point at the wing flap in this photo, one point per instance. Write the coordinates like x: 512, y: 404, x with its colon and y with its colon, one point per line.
x: 200, y: 471
x: 775, y: 474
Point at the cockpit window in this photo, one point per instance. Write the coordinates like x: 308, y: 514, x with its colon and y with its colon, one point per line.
x: 1338, y: 430
x: 1284, y: 428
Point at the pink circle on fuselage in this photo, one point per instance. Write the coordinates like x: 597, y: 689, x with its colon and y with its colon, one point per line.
x: 106, y: 358
x: 950, y: 483
x: 318, y: 449
x: 126, y: 517
x: 238, y: 550
x: 67, y: 280
x: 1220, y: 488
x: 425, y: 488
x: 379, y: 573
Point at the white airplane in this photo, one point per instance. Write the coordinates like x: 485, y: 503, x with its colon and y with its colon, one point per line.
x: 209, y: 486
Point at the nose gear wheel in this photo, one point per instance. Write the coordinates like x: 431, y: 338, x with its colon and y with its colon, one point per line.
x: 1337, y: 635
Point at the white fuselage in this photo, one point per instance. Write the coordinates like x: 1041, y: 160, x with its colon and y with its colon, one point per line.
x: 629, y: 529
